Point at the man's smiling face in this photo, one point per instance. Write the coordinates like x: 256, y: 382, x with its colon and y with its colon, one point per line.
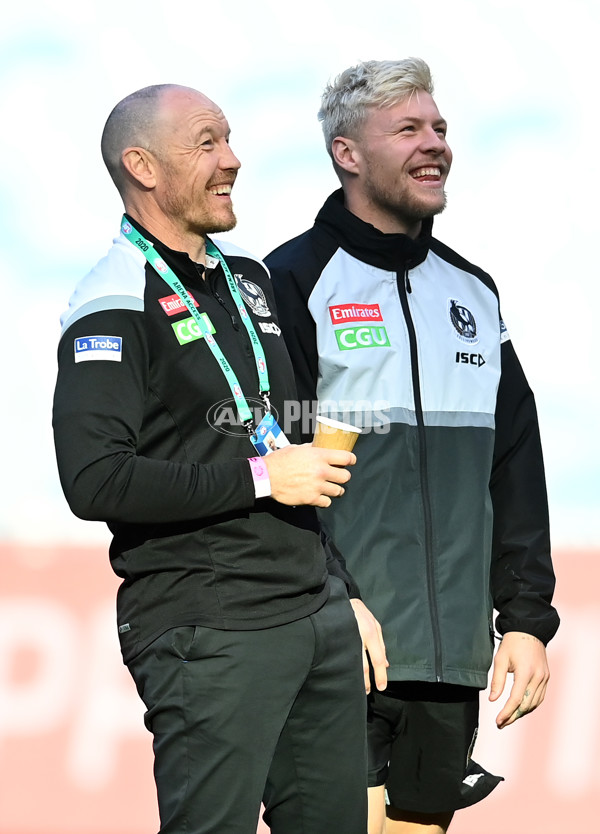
x: 197, y: 167
x: 403, y: 162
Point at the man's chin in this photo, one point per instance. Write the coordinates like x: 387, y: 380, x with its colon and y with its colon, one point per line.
x: 425, y: 212
x: 221, y: 225
x: 438, y: 206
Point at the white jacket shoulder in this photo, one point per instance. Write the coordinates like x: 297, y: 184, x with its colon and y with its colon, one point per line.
x: 117, y: 280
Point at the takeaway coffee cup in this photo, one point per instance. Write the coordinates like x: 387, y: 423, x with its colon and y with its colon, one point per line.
x: 331, y: 434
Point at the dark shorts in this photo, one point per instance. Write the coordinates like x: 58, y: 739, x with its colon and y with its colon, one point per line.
x: 421, y: 736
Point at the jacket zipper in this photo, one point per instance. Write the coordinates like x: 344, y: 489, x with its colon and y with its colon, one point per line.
x: 404, y: 288
x: 212, y: 284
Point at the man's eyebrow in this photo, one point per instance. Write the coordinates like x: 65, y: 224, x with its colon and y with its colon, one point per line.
x: 418, y: 120
x: 216, y: 129
x: 212, y: 131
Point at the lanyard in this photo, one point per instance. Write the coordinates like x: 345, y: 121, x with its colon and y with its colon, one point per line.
x: 165, y: 271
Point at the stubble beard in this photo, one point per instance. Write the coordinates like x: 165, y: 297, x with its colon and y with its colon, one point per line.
x: 398, y: 201
x: 198, y: 219
x: 212, y: 226
x: 406, y: 207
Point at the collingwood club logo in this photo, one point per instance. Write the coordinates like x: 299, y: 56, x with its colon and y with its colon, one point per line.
x: 463, y: 322
x: 253, y: 296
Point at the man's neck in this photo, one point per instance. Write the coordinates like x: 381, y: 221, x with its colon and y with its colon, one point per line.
x: 385, y: 222
x: 168, y: 233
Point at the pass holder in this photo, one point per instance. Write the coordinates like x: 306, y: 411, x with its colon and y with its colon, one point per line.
x: 268, y: 436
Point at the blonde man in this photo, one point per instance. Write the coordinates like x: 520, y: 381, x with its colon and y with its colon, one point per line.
x: 446, y: 518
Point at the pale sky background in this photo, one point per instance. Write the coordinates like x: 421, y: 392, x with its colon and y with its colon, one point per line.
x: 517, y: 82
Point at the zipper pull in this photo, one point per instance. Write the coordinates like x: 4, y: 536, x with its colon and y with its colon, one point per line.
x: 232, y: 316
x: 407, y: 282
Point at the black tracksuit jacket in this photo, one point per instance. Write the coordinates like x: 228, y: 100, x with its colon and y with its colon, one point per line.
x: 147, y: 441
x: 446, y: 516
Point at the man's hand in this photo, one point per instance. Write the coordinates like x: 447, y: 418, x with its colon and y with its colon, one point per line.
x: 307, y: 475
x: 525, y: 656
x: 373, y: 645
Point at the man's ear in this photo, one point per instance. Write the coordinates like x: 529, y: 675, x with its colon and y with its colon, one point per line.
x: 346, y: 154
x: 140, y: 166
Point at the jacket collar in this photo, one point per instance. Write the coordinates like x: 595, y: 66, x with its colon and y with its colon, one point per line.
x: 180, y: 262
x: 368, y: 244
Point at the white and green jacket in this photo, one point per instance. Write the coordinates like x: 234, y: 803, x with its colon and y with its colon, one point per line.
x: 445, y: 518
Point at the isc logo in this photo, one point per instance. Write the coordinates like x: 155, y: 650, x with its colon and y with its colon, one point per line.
x: 470, y: 359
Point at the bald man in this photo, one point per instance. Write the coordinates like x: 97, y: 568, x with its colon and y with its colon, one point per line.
x: 169, y: 420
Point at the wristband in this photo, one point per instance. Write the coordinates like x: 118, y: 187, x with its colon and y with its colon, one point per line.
x: 260, y: 476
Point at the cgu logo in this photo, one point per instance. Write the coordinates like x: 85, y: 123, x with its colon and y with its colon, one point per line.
x: 470, y: 359
x: 351, y: 338
x: 187, y: 330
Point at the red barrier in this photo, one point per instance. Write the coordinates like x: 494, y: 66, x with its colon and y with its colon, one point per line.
x: 75, y: 757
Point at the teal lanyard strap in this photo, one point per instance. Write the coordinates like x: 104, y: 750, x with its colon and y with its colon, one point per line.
x: 167, y: 274
x: 259, y: 354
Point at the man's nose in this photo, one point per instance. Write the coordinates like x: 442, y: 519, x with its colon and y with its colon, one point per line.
x: 435, y: 141
x: 228, y: 159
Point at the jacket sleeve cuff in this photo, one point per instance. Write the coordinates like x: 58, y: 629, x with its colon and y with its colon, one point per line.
x: 543, y: 628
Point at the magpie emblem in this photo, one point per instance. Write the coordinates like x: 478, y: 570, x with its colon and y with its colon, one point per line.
x: 463, y: 321
x: 253, y: 296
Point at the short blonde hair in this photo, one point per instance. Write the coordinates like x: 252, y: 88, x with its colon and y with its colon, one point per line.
x: 345, y: 101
